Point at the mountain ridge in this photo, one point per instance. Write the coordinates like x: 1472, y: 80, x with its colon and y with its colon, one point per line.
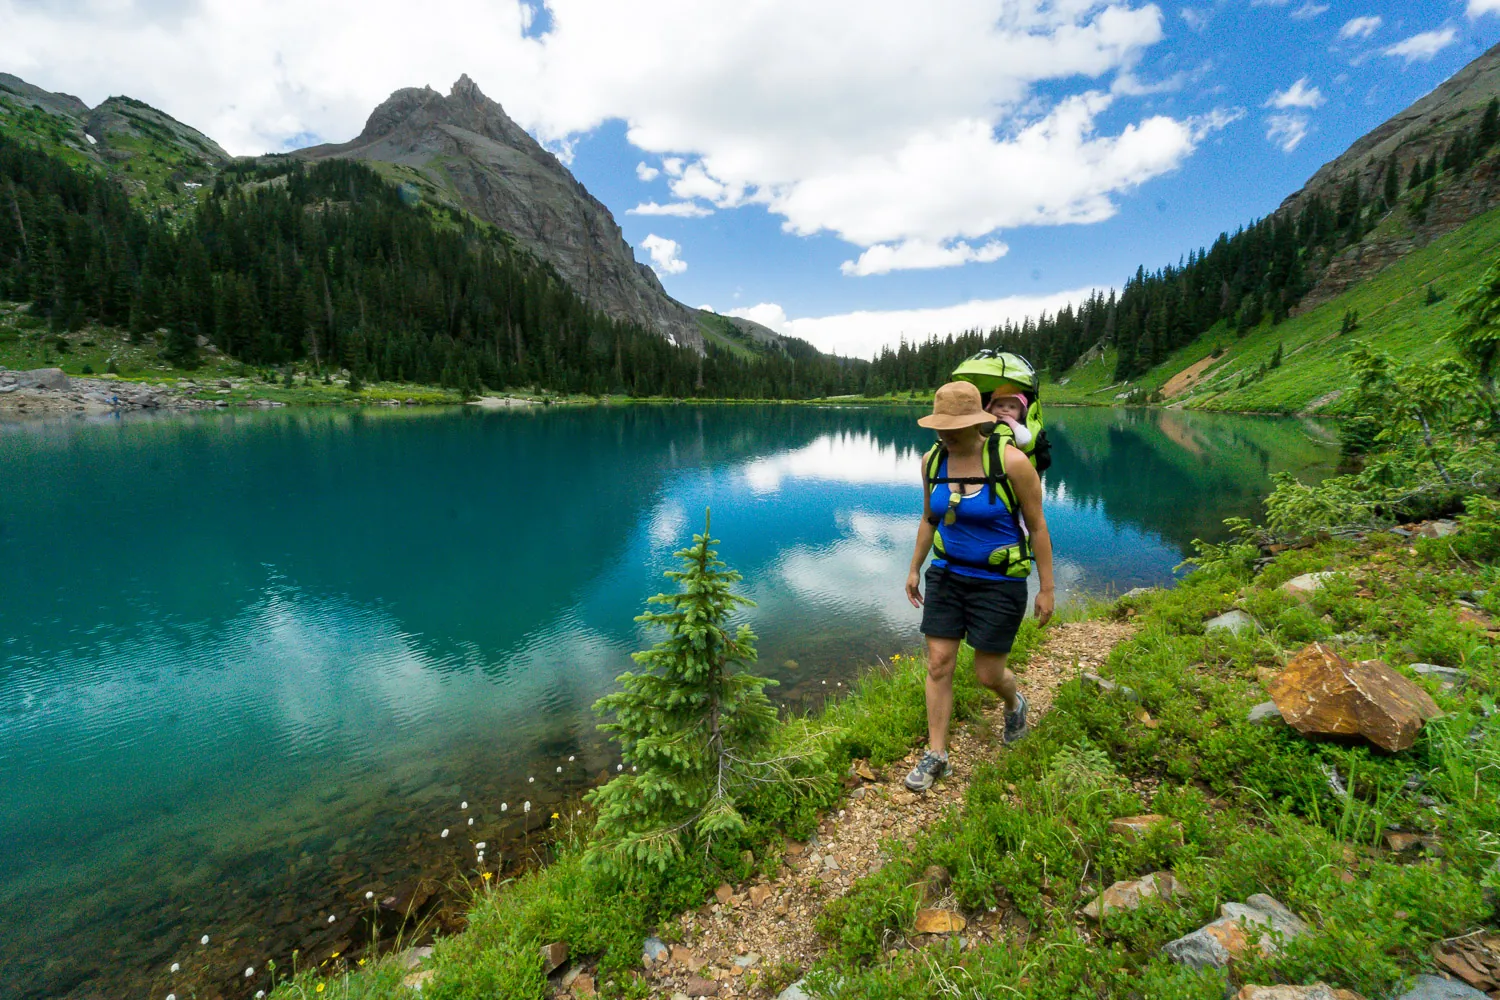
x: 470, y: 150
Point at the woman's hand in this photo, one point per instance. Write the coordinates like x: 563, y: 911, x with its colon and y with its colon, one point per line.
x: 914, y: 588
x: 1044, y: 601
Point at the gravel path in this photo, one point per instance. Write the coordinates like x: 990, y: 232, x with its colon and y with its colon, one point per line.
x: 765, y: 926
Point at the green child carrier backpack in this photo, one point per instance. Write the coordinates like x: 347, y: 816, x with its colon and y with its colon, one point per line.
x: 991, y: 371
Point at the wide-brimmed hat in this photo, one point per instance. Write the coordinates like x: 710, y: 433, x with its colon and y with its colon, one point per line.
x: 956, y: 405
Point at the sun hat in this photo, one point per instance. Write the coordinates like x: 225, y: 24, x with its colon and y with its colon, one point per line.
x: 955, y: 406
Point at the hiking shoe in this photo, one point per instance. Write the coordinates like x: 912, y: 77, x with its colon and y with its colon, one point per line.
x: 1015, y: 722
x: 930, y: 768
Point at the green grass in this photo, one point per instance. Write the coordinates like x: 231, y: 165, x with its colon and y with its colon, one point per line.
x: 1253, y: 803
x: 1393, y: 316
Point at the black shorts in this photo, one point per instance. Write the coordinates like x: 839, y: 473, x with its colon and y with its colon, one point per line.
x: 986, y: 612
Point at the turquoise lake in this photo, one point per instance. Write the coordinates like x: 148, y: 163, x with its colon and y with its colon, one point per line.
x: 252, y: 664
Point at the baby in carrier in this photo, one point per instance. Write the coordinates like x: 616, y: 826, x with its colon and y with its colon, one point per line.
x: 1010, y: 411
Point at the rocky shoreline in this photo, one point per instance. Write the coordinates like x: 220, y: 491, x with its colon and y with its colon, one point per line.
x: 51, y: 391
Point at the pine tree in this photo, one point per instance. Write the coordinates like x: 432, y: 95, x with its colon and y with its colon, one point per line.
x: 1276, y: 355
x: 1392, y: 183
x: 688, y: 724
x: 1489, y: 127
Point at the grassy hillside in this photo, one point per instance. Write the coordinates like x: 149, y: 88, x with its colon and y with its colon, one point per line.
x: 1394, y: 315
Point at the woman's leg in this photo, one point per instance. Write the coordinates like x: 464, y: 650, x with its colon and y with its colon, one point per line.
x: 990, y: 670
x: 942, y: 655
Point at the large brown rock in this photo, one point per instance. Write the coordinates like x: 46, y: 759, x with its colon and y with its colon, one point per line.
x: 1130, y: 894
x: 1322, y: 694
x: 939, y: 922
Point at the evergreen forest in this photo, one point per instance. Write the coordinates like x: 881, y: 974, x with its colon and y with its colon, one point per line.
x: 332, y: 267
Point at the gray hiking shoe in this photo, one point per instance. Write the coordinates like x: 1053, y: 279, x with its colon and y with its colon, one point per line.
x: 929, y: 769
x: 1015, y: 722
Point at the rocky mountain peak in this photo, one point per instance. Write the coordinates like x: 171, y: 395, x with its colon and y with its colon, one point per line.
x: 476, y: 157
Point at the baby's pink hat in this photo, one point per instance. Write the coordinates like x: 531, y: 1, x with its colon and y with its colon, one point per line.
x: 1016, y: 395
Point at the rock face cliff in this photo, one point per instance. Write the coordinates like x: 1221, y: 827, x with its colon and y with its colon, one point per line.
x: 1425, y: 128
x: 473, y: 154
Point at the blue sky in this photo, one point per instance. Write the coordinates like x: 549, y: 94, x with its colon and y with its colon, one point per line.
x: 855, y: 170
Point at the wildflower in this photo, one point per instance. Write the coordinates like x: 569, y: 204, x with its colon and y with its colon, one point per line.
x: 619, y: 767
x: 554, y: 815
x: 530, y: 781
x: 203, y: 939
x: 320, y: 988
x: 175, y: 966
x: 504, y: 806
x: 464, y: 804
x: 361, y: 961
x: 570, y: 758
x: 479, y: 846
x: 335, y: 954
x: 369, y: 895
x: 487, y: 876
x: 249, y: 971
x: 632, y: 768
x: 526, y: 806
x: 445, y: 831
x: 259, y: 994
x: 331, y: 918
x: 559, y: 769
x: 471, y: 820
x: 171, y: 996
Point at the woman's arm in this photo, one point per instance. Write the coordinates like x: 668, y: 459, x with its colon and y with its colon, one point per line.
x: 924, y: 543
x: 1028, y: 487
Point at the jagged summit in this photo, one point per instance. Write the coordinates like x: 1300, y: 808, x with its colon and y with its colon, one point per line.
x: 473, y: 153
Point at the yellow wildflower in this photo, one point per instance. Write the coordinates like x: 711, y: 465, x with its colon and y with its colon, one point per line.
x: 320, y: 988
x: 487, y: 876
x: 362, y: 961
x: 334, y: 955
x: 554, y: 815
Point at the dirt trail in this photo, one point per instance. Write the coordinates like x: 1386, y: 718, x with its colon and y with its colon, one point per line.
x: 768, y: 928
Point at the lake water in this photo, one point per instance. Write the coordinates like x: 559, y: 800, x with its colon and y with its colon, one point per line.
x: 252, y: 664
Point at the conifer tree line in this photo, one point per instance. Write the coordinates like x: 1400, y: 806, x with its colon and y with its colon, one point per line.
x: 1244, y: 278
x: 330, y: 267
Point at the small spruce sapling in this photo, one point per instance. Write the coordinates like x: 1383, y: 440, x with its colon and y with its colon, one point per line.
x: 689, y: 724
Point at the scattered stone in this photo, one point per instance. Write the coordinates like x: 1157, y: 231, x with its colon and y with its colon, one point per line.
x: 1429, y: 987
x: 1217, y: 944
x: 1445, y: 675
x: 553, y: 955
x: 1474, y: 958
x: 830, y: 863
x: 747, y: 961
x: 796, y: 991
x: 724, y: 894
x: 1437, y: 529
x: 858, y: 793
x: 759, y: 894
x: 1234, y: 622
x: 1266, y: 714
x: 416, y: 980
x: 697, y: 986
x: 679, y: 995
x: 1306, y: 584
x: 1403, y: 843
x: 1130, y: 894
x: 1137, y: 827
x: 1135, y: 592
x: 1109, y: 687
x: 583, y: 986
x: 1317, y: 991
x: 930, y: 921
x: 654, y: 951
x: 863, y: 772
x: 1322, y: 694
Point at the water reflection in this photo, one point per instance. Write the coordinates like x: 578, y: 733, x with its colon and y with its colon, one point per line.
x: 251, y: 663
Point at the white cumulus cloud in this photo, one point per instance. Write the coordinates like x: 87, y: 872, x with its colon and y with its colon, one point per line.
x: 1287, y: 130
x: 665, y: 254
x: 1478, y: 7
x: 865, y: 332
x: 1364, y: 27
x: 646, y: 173
x: 1308, y: 11
x: 680, y: 209
x: 880, y: 121
x: 1301, y: 94
x: 910, y: 255
x: 1422, y: 47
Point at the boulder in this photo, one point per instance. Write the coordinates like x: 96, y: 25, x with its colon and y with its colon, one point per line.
x: 1437, y: 988
x: 43, y: 378
x: 1266, y: 714
x: 1242, y: 930
x: 697, y: 986
x: 1129, y: 894
x: 1437, y: 529
x: 1137, y: 827
x: 1234, y: 622
x: 1306, y: 584
x: 939, y: 922
x: 1322, y: 694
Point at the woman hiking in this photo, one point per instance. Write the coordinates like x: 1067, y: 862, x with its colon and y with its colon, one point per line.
x: 976, y: 490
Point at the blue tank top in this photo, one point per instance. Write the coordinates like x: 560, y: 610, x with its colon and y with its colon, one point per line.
x: 980, y: 526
